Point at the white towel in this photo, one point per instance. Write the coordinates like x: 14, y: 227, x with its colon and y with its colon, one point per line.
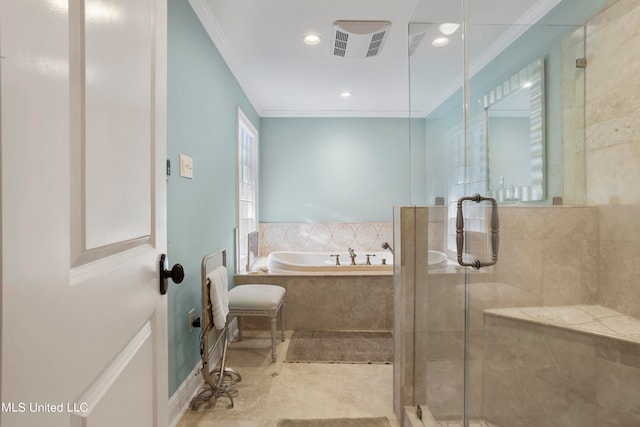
x: 218, y: 292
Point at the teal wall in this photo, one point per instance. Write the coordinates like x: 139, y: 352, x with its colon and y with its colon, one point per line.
x: 203, y: 97
x: 333, y: 169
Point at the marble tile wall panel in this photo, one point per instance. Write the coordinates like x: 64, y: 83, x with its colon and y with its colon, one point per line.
x: 548, y: 256
x: 619, y: 254
x: 324, y: 236
x: 613, y: 149
x: 408, y: 377
x: 330, y: 302
x: 593, y: 380
x: 549, y: 253
x: 528, y: 367
x: 618, y: 394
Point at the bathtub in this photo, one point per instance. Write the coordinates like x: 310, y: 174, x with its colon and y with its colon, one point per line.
x: 381, y: 262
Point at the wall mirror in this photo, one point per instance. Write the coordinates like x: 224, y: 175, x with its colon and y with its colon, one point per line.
x: 515, y: 136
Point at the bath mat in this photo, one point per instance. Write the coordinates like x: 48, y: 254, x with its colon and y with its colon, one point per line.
x: 337, y: 422
x: 316, y: 346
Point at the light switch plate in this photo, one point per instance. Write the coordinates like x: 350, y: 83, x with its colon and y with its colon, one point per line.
x: 186, y: 166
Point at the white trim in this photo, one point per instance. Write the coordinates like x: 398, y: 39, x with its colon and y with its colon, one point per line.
x: 244, y: 125
x: 179, y: 402
x: 334, y: 113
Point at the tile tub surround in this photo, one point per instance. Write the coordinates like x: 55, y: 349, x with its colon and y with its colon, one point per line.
x: 581, y: 363
x: 305, y: 237
x: 329, y: 302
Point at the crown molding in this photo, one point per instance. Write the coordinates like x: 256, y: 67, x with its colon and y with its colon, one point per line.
x: 214, y: 30
x: 333, y: 114
x: 518, y: 28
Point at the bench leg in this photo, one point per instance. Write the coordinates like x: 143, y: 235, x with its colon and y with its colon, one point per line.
x: 239, y: 318
x: 273, y: 338
x: 282, y: 333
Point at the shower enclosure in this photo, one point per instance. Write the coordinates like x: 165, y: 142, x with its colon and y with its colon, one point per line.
x: 498, y: 114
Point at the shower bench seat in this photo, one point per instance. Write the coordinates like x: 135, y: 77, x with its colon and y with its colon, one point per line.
x: 587, y: 319
x: 569, y: 360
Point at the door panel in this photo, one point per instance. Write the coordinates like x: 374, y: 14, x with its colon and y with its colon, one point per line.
x: 117, y: 84
x: 84, y: 334
x: 109, y: 396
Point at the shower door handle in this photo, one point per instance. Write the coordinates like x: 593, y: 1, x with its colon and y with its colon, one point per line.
x: 495, y: 238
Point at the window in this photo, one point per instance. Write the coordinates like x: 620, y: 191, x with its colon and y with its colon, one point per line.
x: 247, y: 188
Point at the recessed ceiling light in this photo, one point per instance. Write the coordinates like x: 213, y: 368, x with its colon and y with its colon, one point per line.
x: 527, y: 84
x: 311, y: 39
x: 345, y: 95
x: 448, y: 28
x: 440, y: 41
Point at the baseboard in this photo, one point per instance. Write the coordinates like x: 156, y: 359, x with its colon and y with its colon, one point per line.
x: 180, y: 400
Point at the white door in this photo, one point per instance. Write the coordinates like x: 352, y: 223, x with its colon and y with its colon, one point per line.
x: 84, y: 339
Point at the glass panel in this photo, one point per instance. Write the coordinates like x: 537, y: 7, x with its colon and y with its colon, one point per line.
x: 511, y: 365
x: 436, y: 79
x: 476, y: 361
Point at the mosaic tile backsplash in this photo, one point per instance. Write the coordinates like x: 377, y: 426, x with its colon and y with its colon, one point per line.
x: 364, y: 236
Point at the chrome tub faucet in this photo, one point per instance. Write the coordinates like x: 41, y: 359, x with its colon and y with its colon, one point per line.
x: 352, y: 255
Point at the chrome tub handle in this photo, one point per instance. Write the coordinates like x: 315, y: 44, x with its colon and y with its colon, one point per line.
x: 495, y: 226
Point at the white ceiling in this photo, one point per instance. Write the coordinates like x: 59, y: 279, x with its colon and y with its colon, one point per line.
x: 262, y: 42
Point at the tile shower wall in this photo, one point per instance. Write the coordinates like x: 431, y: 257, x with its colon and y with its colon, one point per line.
x: 365, y: 236
x: 613, y: 150
x: 548, y: 257
x: 580, y: 379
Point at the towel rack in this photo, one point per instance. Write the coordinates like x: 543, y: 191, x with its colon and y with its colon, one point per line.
x: 221, y: 380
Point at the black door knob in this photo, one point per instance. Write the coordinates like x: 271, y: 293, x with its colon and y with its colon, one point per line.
x: 176, y: 274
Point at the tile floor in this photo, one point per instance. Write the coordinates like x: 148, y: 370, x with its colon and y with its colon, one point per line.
x: 271, y: 391
x: 472, y: 423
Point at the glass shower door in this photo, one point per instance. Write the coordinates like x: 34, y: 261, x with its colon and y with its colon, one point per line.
x: 438, y: 155
x: 475, y: 363
x: 519, y: 371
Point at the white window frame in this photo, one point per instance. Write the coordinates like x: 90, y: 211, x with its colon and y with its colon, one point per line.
x: 247, y: 181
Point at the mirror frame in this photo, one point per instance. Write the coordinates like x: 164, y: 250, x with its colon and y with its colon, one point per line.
x: 533, y: 76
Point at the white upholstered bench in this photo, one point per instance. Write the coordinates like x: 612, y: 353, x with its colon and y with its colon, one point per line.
x: 259, y: 300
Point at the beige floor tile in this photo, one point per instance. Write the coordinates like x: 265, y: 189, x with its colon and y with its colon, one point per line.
x: 271, y: 391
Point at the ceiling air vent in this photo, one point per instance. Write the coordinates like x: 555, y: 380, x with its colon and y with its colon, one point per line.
x: 359, y: 39
x: 340, y: 45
